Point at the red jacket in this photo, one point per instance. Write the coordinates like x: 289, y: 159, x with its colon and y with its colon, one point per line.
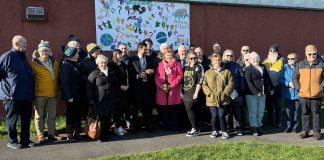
x: 174, y: 78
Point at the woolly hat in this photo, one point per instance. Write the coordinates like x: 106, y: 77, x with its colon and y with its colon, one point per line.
x: 91, y: 47
x: 72, y: 37
x: 274, y: 47
x: 43, y: 45
x: 70, y: 52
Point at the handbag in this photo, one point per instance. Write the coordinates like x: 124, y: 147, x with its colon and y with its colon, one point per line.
x: 93, y: 126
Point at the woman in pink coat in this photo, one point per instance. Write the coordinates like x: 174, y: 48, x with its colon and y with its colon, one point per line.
x: 167, y: 79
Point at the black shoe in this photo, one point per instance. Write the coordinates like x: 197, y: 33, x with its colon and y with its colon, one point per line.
x: 254, y: 131
x: 30, y: 144
x: 288, y: 130
x: 14, y: 145
x: 260, y: 130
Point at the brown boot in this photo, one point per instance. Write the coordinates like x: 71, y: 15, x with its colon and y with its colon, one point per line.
x: 317, y: 135
x: 41, y: 139
x: 303, y: 134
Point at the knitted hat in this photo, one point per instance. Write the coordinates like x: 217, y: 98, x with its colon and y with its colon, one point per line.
x: 274, y: 47
x: 91, y: 47
x: 72, y: 37
x: 70, y: 52
x: 43, y: 45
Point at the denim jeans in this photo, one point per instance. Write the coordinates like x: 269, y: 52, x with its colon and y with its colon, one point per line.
x: 218, y: 113
x: 292, y: 113
x: 256, y: 105
x: 14, y: 109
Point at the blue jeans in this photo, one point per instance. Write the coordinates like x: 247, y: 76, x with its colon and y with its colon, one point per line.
x: 14, y: 109
x: 292, y: 113
x: 255, y: 105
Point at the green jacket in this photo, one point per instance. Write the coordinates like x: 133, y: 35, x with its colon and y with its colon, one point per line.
x: 217, y: 87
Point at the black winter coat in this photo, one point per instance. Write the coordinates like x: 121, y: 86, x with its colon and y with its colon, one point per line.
x: 257, y: 83
x: 101, y: 90
x: 70, y: 80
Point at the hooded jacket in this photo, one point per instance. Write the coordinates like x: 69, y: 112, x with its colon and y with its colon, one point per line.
x: 217, y: 87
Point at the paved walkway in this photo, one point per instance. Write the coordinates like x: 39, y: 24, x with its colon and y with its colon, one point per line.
x: 141, y: 142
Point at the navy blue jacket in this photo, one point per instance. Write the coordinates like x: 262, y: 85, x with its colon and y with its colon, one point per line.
x: 70, y: 80
x: 238, y: 74
x: 257, y: 83
x: 286, y: 76
x: 16, y: 76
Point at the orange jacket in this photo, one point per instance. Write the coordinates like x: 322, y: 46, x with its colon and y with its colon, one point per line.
x: 309, y: 79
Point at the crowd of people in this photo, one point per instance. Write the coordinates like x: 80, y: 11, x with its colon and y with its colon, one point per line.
x: 124, y: 90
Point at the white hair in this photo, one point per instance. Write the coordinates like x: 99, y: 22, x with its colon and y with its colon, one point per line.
x: 101, y: 58
x: 254, y: 55
x: 164, y: 45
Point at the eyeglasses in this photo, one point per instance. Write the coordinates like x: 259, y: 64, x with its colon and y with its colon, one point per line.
x: 192, y: 58
x: 314, y: 54
x: 229, y: 55
x: 291, y: 59
x: 245, y: 50
x: 272, y: 51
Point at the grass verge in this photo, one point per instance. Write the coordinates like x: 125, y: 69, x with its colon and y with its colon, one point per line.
x: 60, y: 127
x: 237, y: 150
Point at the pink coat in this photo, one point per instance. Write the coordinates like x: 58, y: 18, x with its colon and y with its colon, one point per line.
x: 175, y: 77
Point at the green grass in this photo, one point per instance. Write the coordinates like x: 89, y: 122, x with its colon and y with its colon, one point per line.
x: 238, y: 150
x: 60, y: 127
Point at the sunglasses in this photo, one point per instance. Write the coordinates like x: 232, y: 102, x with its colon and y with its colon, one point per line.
x: 314, y: 54
x: 246, y: 59
x: 192, y: 58
x: 291, y: 58
x: 245, y: 50
x: 229, y: 55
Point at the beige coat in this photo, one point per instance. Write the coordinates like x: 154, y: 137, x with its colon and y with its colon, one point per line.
x: 218, y: 87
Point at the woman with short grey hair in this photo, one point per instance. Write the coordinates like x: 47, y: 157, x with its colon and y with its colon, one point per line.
x: 258, y: 85
x: 101, y: 92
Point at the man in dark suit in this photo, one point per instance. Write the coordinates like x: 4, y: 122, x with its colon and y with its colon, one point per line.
x: 139, y: 72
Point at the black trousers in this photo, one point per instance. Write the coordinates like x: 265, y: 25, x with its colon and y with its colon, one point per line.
x: 105, y: 126
x: 141, y: 104
x: 73, y: 116
x: 14, y: 109
x: 311, y: 105
x: 191, y: 113
x: 234, y: 113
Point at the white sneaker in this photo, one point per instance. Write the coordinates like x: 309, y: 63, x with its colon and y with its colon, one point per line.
x: 225, y: 135
x: 213, y: 134
x: 192, y: 133
x: 120, y: 131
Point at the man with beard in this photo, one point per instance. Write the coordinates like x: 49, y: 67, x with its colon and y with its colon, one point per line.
x: 274, y: 64
x: 235, y: 108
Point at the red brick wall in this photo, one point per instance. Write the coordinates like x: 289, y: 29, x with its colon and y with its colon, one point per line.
x: 232, y: 26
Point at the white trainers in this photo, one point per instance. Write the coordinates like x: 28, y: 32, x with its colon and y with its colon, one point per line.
x: 120, y: 131
x: 225, y: 135
x: 213, y: 134
x: 193, y: 133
